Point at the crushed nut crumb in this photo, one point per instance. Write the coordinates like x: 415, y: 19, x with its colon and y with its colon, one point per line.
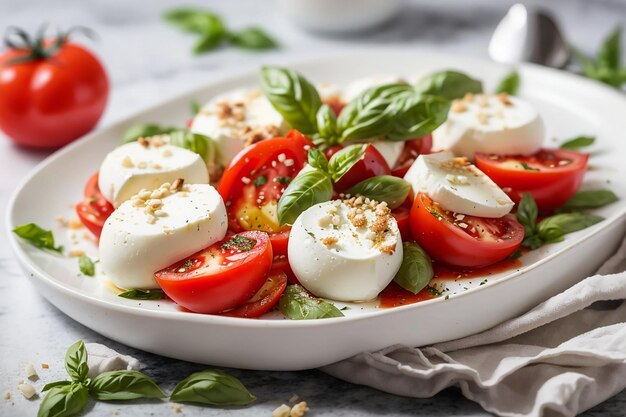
x: 299, y: 409
x: 282, y: 410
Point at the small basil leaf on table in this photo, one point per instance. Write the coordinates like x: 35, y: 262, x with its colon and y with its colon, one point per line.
x: 588, y: 199
x: 54, y: 384
x: 449, y: 85
x: 252, y: 38
x: 509, y: 84
x: 344, y: 159
x: 297, y: 304
x: 195, y: 20
x: 145, y: 131
x: 207, y: 42
x: 124, y: 385
x: 212, y: 387
x: 65, y: 400
x: 387, y: 188
x: 309, y: 187
x: 137, y: 294
x: 37, y: 236
x: 317, y: 159
x: 578, y: 142
x: 552, y: 229
x: 416, y: 115
x: 295, y: 98
x: 86, y: 265
x: 416, y: 269
x: 76, y: 362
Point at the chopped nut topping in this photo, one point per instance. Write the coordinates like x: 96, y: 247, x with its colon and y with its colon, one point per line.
x: 483, y: 118
x: 45, y: 366
x: 329, y: 241
x: 142, y: 165
x: 143, y: 142
x: 166, y: 153
x: 127, y: 162
x: 74, y: 224
x: 504, y: 99
x: 76, y: 253
x: 281, y: 411
x: 178, y: 184
x: 468, y: 97
x: 458, y: 106
x: 7, y: 396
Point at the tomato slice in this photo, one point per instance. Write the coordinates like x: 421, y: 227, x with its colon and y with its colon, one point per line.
x: 264, y: 300
x: 461, y: 240
x: 412, y: 149
x: 371, y: 164
x: 254, y: 181
x: 552, y: 176
x: 401, y: 214
x: 94, y: 209
x: 282, y: 262
x: 220, y: 277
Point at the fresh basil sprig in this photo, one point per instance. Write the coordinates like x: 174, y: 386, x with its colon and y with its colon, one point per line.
x: 416, y: 115
x: 607, y: 65
x: 253, y: 38
x: 578, y: 142
x: 293, y: 96
x: 145, y: 130
x: 311, y: 186
x: 589, y: 199
x: 64, y: 400
x: 416, y: 269
x: 297, y: 304
x: 124, y: 385
x: 38, y: 237
x: 344, y: 159
x: 392, y: 190
x: 137, y: 294
x: 212, y: 387
x: 317, y: 159
x: 509, y: 84
x: 76, y: 362
x: 449, y: 84
x: 328, y: 132
x: 86, y: 265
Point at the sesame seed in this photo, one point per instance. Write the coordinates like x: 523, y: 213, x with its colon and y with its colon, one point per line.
x: 282, y: 157
x: 245, y: 180
x: 289, y: 162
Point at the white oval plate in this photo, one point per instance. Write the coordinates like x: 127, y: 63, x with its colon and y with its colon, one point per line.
x: 570, y: 105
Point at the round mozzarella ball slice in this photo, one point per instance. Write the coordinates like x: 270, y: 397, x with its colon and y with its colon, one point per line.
x: 358, y: 86
x: 498, y: 124
x: 390, y: 150
x: 146, y: 234
x: 346, y: 251
x: 458, y: 186
x: 237, y: 119
x: 147, y: 163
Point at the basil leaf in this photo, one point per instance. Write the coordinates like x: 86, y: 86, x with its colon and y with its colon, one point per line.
x: 195, y: 142
x: 195, y: 21
x: 370, y: 114
x: 137, y: 294
x: 449, y: 85
x: 196, y: 107
x: 253, y: 38
x: 610, y: 53
x: 527, y: 214
x: 344, y: 159
x: 509, y: 84
x: 606, y: 68
x: 212, y: 387
x: 588, y: 199
x: 124, y: 385
x: 86, y: 265
x: 317, y: 159
x: 207, y: 42
x: 145, y: 131
x: 64, y: 401
x: 415, y: 116
x: 297, y: 304
x: 327, y: 125
x: 553, y: 228
x: 293, y: 97
x: 76, y: 362
x: 38, y: 237
x: 54, y: 384
x: 387, y: 188
x: 416, y: 269
x: 310, y: 187
x: 578, y: 142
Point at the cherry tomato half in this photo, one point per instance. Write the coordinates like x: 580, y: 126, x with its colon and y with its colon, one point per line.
x: 412, y: 149
x: 401, y: 214
x: 223, y: 276
x: 371, y: 164
x: 552, y: 176
x: 282, y: 262
x: 264, y: 300
x: 94, y: 209
x: 254, y: 181
x: 462, y: 240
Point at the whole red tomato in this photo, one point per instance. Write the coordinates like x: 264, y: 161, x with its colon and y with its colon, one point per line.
x: 51, y: 91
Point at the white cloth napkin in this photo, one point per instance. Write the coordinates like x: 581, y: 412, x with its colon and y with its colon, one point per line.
x: 559, y: 359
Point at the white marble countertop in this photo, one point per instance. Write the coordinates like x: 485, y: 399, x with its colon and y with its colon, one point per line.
x: 149, y: 61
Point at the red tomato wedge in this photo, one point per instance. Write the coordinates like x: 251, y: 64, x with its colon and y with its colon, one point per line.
x: 94, y: 209
x: 255, y: 180
x: 462, y: 240
x: 371, y: 164
x: 223, y: 276
x: 282, y: 262
x: 552, y: 176
x: 412, y: 149
x: 264, y: 300
x: 401, y: 214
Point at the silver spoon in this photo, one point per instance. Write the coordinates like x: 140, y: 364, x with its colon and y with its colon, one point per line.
x: 528, y: 35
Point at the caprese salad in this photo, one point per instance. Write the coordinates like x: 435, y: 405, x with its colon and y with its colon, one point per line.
x: 292, y: 196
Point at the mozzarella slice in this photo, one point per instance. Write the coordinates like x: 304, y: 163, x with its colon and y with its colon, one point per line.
x: 497, y: 124
x: 148, y: 232
x: 390, y: 150
x: 237, y: 119
x: 346, y: 251
x: 356, y: 87
x: 147, y: 163
x: 458, y: 186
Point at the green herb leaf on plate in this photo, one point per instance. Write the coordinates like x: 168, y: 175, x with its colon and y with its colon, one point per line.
x: 449, y: 85
x: 137, y: 294
x: 588, y: 199
x: 509, y: 84
x: 124, y: 385
x: 38, y: 237
x: 252, y: 38
x: 86, y: 265
x: 145, y: 130
x: 387, y: 188
x: 212, y: 387
x: 76, y: 362
x: 414, y: 116
x: 327, y: 125
x: 297, y: 304
x: 65, y: 400
x: 196, y: 107
x: 552, y: 229
x: 195, y: 142
x: 578, y: 142
x: 317, y: 159
x: 416, y: 269
x: 344, y: 159
x: 295, y: 98
x: 310, y: 187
